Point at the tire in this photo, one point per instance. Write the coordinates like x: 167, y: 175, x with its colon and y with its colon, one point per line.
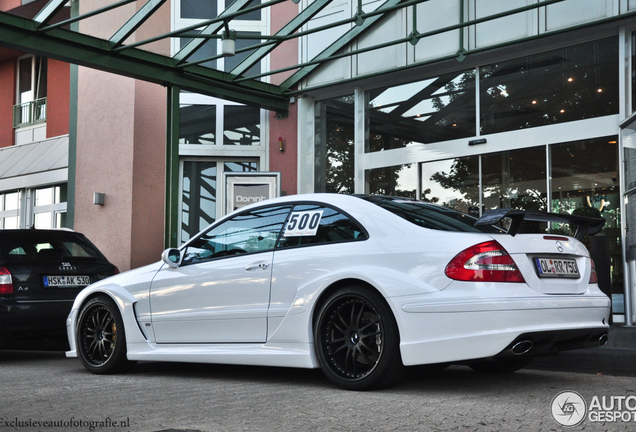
x: 502, y: 366
x: 357, y: 340
x: 101, y: 339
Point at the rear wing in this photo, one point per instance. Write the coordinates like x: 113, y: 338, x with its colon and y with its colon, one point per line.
x: 584, y: 225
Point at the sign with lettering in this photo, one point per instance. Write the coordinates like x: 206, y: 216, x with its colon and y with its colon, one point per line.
x: 242, y: 189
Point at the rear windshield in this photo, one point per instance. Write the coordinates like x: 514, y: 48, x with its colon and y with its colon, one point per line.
x: 431, y: 215
x: 36, y: 245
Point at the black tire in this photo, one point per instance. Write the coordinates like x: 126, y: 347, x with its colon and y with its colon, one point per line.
x: 357, y: 340
x: 501, y: 366
x: 101, y: 339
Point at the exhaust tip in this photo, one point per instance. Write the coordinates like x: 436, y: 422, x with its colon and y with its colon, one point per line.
x: 602, y: 340
x: 522, y: 347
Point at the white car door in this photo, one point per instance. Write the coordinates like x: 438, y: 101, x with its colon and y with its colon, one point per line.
x: 221, y: 290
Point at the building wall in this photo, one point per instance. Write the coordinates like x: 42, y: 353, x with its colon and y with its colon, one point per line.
x: 7, y: 100
x: 121, y: 141
x: 58, y: 92
x: 285, y: 161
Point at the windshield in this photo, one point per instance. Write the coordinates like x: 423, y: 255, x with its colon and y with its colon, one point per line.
x: 431, y: 216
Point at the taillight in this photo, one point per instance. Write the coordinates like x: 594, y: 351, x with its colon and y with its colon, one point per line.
x: 593, y: 275
x: 485, y: 262
x: 6, y: 284
x: 116, y: 270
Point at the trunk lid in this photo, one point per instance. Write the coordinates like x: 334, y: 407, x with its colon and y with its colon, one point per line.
x: 550, y: 264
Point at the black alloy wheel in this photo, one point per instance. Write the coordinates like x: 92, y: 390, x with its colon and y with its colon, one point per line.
x: 357, y: 340
x: 101, y: 342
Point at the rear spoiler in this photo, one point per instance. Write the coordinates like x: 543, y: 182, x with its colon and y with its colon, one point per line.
x: 584, y: 225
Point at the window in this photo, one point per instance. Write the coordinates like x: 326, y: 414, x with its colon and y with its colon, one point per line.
x: 218, y: 123
x: 30, y: 105
x: 435, y: 109
x: 563, y: 85
x: 9, y: 210
x: 241, y: 125
x: 335, y: 145
x: 49, y: 210
x: 332, y: 227
x: 453, y: 183
x: 249, y: 232
x: 431, y: 215
x: 201, y: 200
x: 32, y: 77
x: 399, y: 180
x: 36, y: 245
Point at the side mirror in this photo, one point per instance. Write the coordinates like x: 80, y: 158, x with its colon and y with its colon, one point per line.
x: 172, y: 257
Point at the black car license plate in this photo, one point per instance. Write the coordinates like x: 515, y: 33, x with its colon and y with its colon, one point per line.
x: 66, y: 281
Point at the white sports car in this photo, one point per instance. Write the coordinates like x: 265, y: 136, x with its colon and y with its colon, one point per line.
x: 360, y: 286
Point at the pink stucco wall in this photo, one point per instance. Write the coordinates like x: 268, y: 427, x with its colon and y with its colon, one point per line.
x: 286, y: 55
x: 121, y: 141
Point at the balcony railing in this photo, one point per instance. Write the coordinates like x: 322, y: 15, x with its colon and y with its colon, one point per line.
x: 29, y: 113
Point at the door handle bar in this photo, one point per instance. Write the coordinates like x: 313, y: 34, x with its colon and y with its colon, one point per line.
x: 260, y: 265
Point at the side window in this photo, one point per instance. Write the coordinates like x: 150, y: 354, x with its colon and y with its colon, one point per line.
x: 311, y: 224
x: 249, y: 232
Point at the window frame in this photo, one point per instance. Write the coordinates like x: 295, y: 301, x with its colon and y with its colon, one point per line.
x: 363, y: 237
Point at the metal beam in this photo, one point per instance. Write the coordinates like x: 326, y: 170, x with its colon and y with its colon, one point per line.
x: 293, y: 25
x: 49, y: 11
x: 342, y: 42
x: 21, y: 34
x: 195, y: 44
x: 137, y: 20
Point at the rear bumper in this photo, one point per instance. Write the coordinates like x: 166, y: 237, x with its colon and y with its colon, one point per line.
x: 27, y: 320
x: 552, y: 342
x: 455, y: 330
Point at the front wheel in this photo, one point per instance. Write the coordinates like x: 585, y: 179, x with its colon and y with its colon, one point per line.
x: 101, y: 340
x: 357, y: 340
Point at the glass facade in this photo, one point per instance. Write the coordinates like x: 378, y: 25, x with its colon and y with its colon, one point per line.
x: 573, y: 83
x: 400, y: 180
x: 436, y: 109
x: 429, y: 129
x: 453, y: 183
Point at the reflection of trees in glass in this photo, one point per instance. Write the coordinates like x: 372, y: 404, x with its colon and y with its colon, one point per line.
x: 461, y: 177
x: 384, y: 181
x: 340, y: 158
x: 454, y: 90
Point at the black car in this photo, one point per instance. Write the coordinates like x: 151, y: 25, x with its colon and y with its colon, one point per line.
x: 41, y: 273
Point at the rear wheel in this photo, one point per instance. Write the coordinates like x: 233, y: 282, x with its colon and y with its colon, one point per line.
x: 501, y: 366
x: 357, y: 340
x: 101, y: 340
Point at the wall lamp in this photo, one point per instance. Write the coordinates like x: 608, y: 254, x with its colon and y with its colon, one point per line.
x: 99, y: 198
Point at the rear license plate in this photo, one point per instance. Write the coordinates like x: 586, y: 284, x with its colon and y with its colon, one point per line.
x: 557, y: 267
x: 66, y: 281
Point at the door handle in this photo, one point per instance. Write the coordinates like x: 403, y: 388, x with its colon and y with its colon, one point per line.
x: 260, y: 265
